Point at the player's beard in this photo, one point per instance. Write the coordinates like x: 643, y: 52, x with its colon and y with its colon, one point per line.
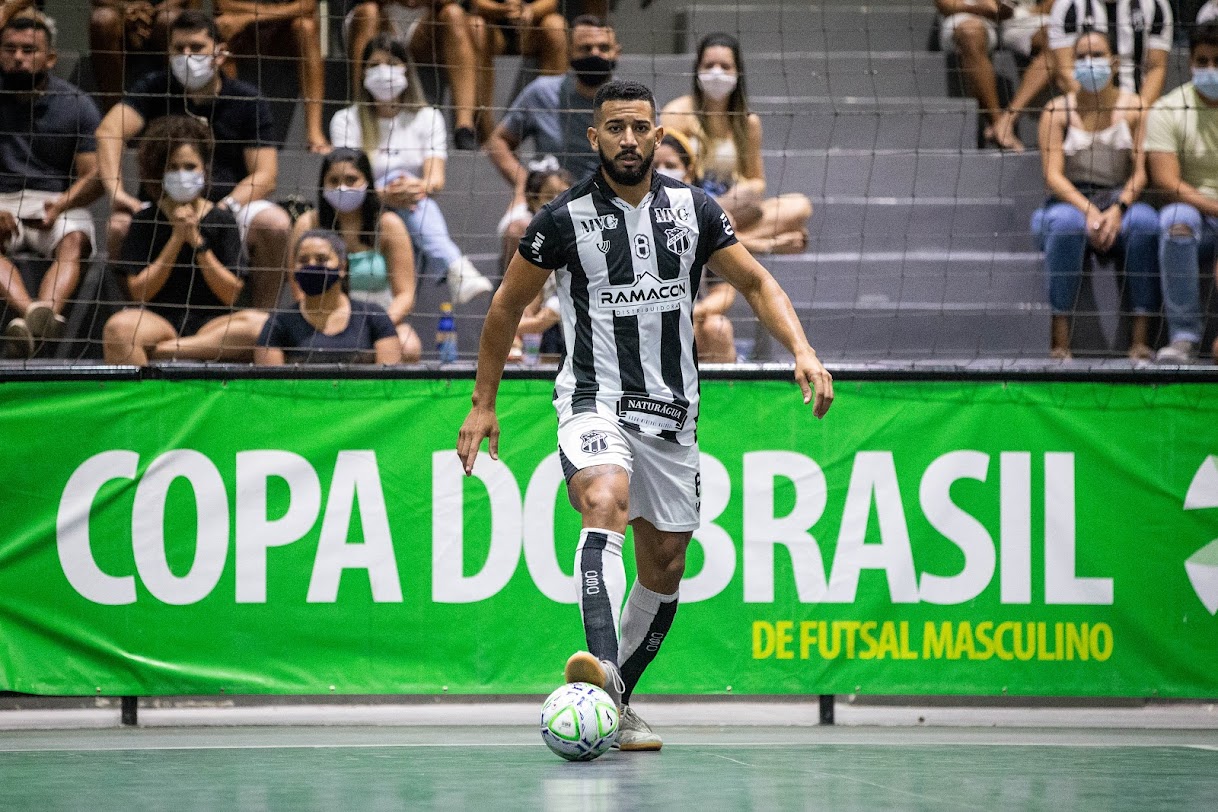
x: 627, y: 177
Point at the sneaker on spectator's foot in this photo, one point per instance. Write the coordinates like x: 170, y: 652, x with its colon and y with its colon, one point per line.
x: 582, y: 666
x: 634, y: 734
x: 465, y: 282
x: 44, y: 322
x: 1177, y: 352
x: 18, y: 340
x: 465, y: 139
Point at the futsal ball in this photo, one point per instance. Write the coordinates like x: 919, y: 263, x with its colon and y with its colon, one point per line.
x: 579, y: 721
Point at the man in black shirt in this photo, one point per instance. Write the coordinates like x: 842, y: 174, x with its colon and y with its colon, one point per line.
x: 246, y: 163
x: 46, y: 138
x: 627, y: 247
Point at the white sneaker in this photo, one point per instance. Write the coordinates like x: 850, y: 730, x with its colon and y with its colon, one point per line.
x: 633, y: 734
x: 465, y: 282
x: 1177, y: 352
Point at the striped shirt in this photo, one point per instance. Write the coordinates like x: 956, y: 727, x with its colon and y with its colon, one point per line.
x: 627, y: 280
x: 1141, y: 26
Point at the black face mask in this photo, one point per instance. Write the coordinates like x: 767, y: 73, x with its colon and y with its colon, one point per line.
x: 21, y: 81
x: 315, y: 280
x: 594, y: 70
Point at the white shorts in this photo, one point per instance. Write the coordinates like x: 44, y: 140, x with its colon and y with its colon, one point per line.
x: 400, y: 21
x: 665, y: 478
x: 518, y: 212
x: 245, y: 216
x: 28, y: 205
x: 1014, y: 34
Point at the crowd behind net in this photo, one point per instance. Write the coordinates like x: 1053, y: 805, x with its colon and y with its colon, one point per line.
x: 919, y: 245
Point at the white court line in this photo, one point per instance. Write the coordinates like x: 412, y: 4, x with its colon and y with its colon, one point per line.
x: 1212, y: 747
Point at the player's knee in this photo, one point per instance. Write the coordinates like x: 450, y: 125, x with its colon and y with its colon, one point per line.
x: 599, y: 499
x: 121, y: 327
x: 105, y: 23
x: 451, y: 14
x: 271, y: 222
x: 799, y: 205
x: 304, y: 27
x: 970, y: 36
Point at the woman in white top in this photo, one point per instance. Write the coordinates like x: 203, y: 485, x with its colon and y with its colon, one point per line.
x: 406, y: 139
x: 1091, y: 150
x: 727, y: 139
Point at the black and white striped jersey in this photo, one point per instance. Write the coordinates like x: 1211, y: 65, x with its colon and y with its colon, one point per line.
x: 1141, y: 26
x: 627, y: 279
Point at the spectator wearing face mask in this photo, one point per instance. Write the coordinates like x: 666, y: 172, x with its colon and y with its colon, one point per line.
x: 380, y: 260
x: 1139, y: 30
x: 181, y: 257
x: 546, y: 181
x: 726, y: 141
x: 1182, y: 159
x: 556, y: 112
x: 406, y: 141
x: 1091, y: 150
x: 326, y: 326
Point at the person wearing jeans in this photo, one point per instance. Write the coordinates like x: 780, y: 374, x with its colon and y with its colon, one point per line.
x: 1182, y: 157
x: 1090, y: 150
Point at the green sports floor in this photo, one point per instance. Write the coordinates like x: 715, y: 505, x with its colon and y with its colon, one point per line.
x: 730, y: 766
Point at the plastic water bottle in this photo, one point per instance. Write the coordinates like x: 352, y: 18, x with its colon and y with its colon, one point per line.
x: 446, y: 335
x: 531, y: 354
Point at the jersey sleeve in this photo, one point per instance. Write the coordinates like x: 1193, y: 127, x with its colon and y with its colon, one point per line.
x: 1069, y: 18
x: 715, y: 229
x: 540, y: 244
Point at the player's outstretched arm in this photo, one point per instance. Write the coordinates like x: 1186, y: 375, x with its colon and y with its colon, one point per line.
x: 521, y: 284
x: 773, y: 308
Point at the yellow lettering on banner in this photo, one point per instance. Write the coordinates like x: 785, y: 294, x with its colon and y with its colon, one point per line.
x: 1042, y: 647
x: 964, y: 641
x: 937, y: 644
x: 1101, y: 641
x: 1078, y: 642
x: 852, y: 628
x: 784, y: 635
x: 906, y: 653
x: 1024, y: 631
x: 827, y: 651
x: 985, y: 640
x: 807, y: 638
x: 1003, y: 652
x: 888, y: 641
x: 763, y: 639
x: 869, y: 653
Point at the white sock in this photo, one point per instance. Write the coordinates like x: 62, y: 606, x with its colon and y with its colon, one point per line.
x: 645, y: 623
x: 601, y: 579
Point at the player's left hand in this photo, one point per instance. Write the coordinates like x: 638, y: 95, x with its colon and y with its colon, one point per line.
x: 814, y: 381
x: 480, y: 424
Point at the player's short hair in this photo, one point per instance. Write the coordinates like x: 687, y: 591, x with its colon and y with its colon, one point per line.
x: 192, y: 20
x: 618, y: 90
x: 162, y: 139
x: 591, y: 21
x: 31, y: 21
x: 1206, y: 34
x: 335, y: 241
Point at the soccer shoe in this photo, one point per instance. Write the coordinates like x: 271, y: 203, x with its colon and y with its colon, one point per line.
x: 43, y: 322
x: 18, y: 339
x: 465, y: 282
x: 1177, y: 352
x: 633, y: 734
x: 582, y: 666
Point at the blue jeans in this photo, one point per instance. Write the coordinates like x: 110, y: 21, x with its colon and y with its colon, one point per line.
x: 1061, y: 232
x: 433, y: 246
x: 1180, y: 260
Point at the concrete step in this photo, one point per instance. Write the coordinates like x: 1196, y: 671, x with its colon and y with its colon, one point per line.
x: 909, y: 123
x: 795, y: 26
x: 854, y: 223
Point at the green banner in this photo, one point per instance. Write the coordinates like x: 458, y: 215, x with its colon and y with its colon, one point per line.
x: 204, y: 537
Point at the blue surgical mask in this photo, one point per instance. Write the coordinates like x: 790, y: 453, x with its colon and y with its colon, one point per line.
x: 315, y: 280
x: 346, y: 199
x: 183, y: 185
x: 1093, y: 74
x: 1206, y: 82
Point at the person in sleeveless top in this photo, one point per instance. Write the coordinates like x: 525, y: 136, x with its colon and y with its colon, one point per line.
x: 1091, y: 149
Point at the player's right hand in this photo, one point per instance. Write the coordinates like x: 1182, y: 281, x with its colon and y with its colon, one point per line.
x: 479, y: 424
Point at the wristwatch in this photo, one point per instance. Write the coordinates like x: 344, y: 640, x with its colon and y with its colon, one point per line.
x: 1123, y: 206
x: 231, y: 204
x: 203, y: 247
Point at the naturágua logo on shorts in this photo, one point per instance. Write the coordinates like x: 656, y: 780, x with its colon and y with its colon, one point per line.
x: 646, y: 294
x: 1202, y: 566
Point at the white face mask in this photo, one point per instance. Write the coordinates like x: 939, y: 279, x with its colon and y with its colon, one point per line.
x: 193, y: 70
x: 184, y: 185
x: 717, y: 83
x: 385, y: 82
x: 346, y: 199
x: 670, y: 172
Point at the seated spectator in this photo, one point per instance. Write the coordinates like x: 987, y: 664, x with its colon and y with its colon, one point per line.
x: 46, y: 137
x: 556, y: 112
x: 1142, y: 32
x: 437, y: 33
x: 405, y: 140
x: 974, y: 29
x: 380, y: 260
x: 545, y: 182
x: 284, y: 29
x: 726, y: 142
x: 713, y: 332
x: 1090, y: 143
x: 246, y: 165
x: 181, y: 257
x: 1182, y: 159
x: 532, y: 29
x: 326, y: 327
x: 127, y: 39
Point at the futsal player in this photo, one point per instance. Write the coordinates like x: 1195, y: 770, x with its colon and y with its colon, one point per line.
x: 628, y: 246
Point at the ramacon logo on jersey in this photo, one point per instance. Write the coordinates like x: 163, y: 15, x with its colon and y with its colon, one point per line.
x: 678, y: 240
x: 646, y: 294
x: 669, y: 215
x: 651, y: 413
x: 606, y: 223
